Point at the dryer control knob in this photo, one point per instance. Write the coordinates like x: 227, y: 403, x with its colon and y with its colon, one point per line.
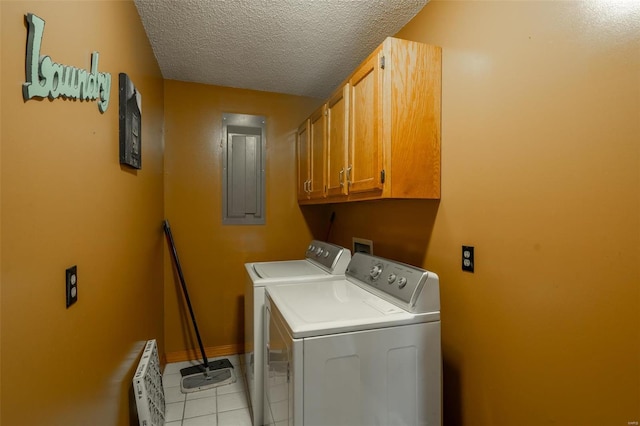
x: 391, y: 278
x: 402, y: 281
x: 375, y: 272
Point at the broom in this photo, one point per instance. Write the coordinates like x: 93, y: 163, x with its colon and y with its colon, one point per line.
x: 208, y: 374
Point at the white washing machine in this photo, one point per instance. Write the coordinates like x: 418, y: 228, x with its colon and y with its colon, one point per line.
x: 364, y: 350
x: 323, y: 261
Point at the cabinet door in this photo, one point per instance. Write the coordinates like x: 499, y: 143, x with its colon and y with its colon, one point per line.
x: 365, y: 144
x: 317, y: 138
x: 337, y: 141
x: 303, y: 160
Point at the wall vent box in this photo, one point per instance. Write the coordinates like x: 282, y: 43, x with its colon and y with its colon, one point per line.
x: 361, y: 245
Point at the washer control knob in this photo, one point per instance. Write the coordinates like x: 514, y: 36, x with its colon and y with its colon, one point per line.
x: 326, y: 253
x: 319, y: 251
x: 375, y: 272
x: 311, y: 247
x: 402, y: 281
x: 391, y: 278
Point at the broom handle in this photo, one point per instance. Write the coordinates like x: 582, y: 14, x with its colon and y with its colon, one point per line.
x: 167, y: 231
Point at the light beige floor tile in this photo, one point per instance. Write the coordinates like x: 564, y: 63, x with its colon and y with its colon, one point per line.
x: 171, y: 380
x: 236, y: 387
x: 173, y: 394
x: 173, y: 411
x: 201, y: 394
x: 200, y: 407
x: 234, y: 418
x: 209, y: 420
x: 232, y: 401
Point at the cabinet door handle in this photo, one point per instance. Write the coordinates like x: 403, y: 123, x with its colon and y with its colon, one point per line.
x: 341, y: 177
x: 349, y: 175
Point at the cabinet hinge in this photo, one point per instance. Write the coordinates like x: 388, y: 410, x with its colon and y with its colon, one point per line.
x: 382, y: 175
x: 382, y: 62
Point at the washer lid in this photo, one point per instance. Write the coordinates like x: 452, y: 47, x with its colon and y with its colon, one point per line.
x: 288, y: 268
x: 339, y: 306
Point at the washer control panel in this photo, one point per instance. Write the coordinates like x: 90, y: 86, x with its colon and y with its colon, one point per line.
x: 325, y: 254
x: 395, y: 279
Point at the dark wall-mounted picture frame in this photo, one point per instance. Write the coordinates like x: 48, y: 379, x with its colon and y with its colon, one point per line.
x: 130, y: 102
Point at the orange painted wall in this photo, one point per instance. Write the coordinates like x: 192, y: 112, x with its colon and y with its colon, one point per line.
x: 213, y: 255
x: 66, y: 200
x: 0, y: 229
x: 541, y: 173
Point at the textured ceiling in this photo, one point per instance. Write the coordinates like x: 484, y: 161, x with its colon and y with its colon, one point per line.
x: 300, y: 47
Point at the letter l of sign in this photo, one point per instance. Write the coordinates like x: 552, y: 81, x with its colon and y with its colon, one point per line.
x: 33, y: 87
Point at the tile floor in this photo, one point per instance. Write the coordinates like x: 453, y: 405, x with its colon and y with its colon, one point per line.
x: 224, y: 405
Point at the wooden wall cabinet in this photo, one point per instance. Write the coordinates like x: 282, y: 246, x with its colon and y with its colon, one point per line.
x: 365, y: 168
x: 304, y: 160
x: 318, y: 138
x: 383, y: 127
x: 338, y: 142
x: 312, y: 156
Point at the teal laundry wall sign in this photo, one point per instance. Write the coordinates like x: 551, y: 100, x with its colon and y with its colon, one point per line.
x: 45, y: 78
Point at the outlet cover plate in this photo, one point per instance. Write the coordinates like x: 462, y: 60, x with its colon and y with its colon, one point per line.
x: 468, y: 259
x: 71, y: 278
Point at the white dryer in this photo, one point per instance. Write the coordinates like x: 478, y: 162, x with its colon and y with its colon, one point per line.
x: 323, y: 261
x: 364, y: 350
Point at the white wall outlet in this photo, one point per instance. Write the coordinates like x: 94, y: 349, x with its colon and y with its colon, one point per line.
x: 72, y: 285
